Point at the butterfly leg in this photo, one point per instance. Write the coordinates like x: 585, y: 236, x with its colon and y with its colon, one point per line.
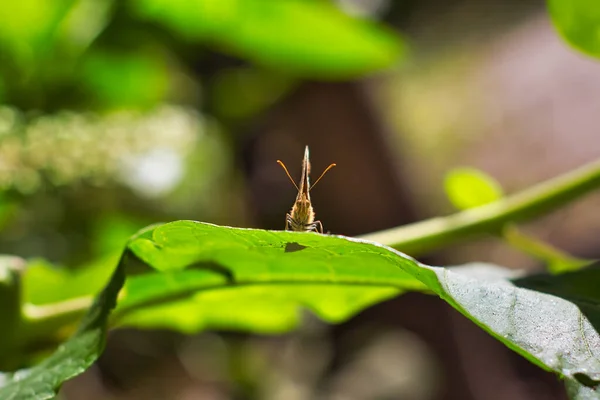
x: 319, y: 225
x: 288, y: 219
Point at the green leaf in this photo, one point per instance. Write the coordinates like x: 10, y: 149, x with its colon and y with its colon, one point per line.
x: 27, y: 26
x: 469, y: 187
x: 191, y: 276
x: 244, y: 278
x: 306, y: 38
x: 255, y: 280
x: 578, y: 22
x: 45, y: 283
x: 72, y: 357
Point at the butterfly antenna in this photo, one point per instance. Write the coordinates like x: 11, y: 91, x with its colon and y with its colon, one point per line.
x: 324, y: 172
x: 288, y: 174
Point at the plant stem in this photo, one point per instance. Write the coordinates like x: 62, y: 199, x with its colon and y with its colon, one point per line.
x: 424, y: 236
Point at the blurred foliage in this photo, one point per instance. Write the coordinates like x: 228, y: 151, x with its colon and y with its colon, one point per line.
x: 45, y: 283
x: 126, y: 80
x: 114, y: 115
x: 468, y: 187
x: 578, y: 21
x: 308, y: 38
x: 98, y: 52
x: 106, y: 107
x: 65, y: 148
x: 255, y: 90
x: 40, y: 44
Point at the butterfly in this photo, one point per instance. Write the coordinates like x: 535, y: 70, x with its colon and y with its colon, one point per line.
x: 302, y: 216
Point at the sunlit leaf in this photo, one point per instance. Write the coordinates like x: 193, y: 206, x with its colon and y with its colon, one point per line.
x: 470, y: 187
x: 28, y: 25
x: 261, y: 279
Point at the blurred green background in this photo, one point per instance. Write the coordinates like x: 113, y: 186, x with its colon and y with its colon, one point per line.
x: 118, y: 114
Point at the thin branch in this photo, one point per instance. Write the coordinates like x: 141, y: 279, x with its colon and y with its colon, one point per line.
x: 421, y: 237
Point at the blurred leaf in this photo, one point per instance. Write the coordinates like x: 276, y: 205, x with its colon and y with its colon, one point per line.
x: 84, y: 22
x: 7, y: 210
x: 469, y: 187
x: 72, y: 357
x: 306, y: 38
x: 44, y: 283
x: 123, y: 80
x: 243, y: 92
x: 27, y: 26
x: 578, y: 21
x: 112, y: 232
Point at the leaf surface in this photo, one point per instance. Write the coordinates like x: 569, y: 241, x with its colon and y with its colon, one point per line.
x: 191, y: 276
x: 553, y: 321
x: 256, y: 280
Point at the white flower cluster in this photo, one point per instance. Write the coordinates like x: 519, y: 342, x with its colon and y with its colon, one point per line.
x: 67, y: 147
